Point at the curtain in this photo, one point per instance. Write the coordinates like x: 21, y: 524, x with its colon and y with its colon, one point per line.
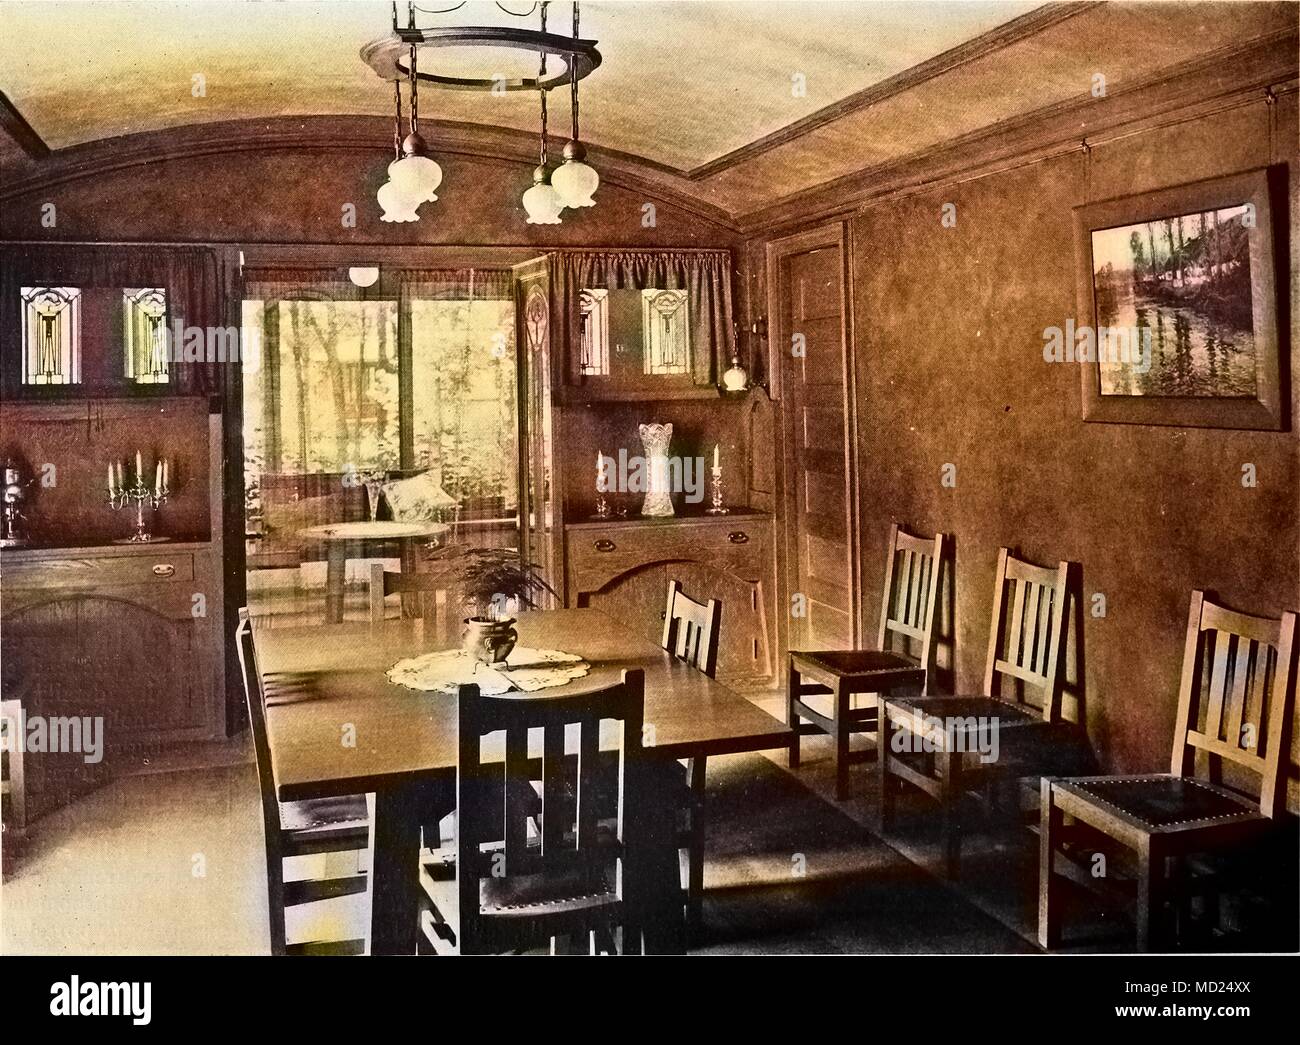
x: 704, y: 275
x: 190, y: 275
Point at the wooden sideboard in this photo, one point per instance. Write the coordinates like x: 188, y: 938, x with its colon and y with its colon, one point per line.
x: 622, y: 566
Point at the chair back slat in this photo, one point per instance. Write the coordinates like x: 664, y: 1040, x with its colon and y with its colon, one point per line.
x: 692, y: 629
x: 488, y: 845
x: 1025, y: 643
x: 911, y: 593
x: 1238, y: 685
x: 435, y: 598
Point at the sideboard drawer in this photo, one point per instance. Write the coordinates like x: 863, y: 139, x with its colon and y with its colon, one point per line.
x: 100, y: 572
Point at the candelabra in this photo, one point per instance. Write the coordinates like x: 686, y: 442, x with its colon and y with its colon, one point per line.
x: 120, y: 495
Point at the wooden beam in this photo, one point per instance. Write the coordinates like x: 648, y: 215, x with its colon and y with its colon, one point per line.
x: 15, y: 125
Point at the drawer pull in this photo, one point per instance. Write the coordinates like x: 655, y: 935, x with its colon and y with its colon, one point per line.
x: 738, y: 537
x: 604, y: 545
x: 164, y: 569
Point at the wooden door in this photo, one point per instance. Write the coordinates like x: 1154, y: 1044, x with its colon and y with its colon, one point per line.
x: 810, y: 342
x: 540, y: 524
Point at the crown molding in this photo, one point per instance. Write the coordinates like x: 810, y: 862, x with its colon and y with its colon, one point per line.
x: 335, y: 134
x: 996, y: 39
x: 1208, y: 83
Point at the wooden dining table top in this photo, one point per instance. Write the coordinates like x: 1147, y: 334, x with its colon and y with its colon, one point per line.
x: 336, y: 724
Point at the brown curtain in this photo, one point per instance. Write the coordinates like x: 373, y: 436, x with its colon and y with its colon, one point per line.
x: 190, y: 275
x: 704, y: 275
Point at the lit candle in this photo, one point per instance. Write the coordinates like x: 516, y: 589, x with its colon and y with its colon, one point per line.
x: 158, y: 479
x: 600, y: 472
x: 118, y: 465
x: 110, y: 478
x: 717, y: 467
x: 139, y: 470
x: 167, y: 479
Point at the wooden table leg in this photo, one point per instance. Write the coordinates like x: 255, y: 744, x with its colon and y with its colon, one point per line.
x: 660, y: 890
x: 410, y: 599
x: 335, y: 574
x: 394, y: 884
x: 792, y: 716
x: 949, y: 765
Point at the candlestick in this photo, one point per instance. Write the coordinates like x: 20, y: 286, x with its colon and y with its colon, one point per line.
x: 602, y: 483
x: 120, y: 495
x: 715, y: 486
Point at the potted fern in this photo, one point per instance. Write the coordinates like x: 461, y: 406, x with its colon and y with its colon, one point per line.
x: 494, y: 583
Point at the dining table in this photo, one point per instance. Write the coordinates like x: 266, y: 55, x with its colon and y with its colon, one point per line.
x: 354, y: 540
x: 338, y: 726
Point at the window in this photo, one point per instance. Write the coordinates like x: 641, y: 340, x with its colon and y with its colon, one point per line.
x: 51, y: 333
x: 594, y: 351
x: 664, y: 328
x: 144, y: 335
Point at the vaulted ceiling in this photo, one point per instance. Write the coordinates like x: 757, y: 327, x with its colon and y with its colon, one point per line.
x: 702, y: 91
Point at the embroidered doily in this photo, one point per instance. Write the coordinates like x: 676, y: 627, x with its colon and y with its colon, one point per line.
x: 526, y: 670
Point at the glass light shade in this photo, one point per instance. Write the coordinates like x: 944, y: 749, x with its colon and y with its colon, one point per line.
x: 363, y: 276
x: 543, y: 204
x: 575, y: 182
x: 396, y: 204
x: 416, y: 178
x: 735, y: 379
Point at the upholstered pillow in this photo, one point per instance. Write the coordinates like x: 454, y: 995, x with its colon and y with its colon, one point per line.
x: 420, y: 498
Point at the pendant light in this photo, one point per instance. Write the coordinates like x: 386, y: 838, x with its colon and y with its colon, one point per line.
x: 415, y: 174
x: 542, y: 202
x: 574, y: 180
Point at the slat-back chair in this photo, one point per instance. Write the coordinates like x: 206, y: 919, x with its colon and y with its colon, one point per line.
x: 289, y: 829
x: 510, y: 884
x: 691, y: 633
x: 1236, y: 697
x: 427, y: 595
x: 901, y: 659
x: 1026, y: 636
x: 13, y: 787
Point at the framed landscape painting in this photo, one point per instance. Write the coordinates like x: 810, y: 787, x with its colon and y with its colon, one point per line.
x: 1178, y: 309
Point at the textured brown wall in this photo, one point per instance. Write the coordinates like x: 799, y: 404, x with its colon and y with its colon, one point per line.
x: 949, y: 335
x: 296, y: 196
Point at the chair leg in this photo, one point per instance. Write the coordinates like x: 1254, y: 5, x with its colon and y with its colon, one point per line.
x: 792, y: 716
x: 275, y: 900
x: 842, y: 733
x: 1149, y: 880
x: 949, y: 766
x: 885, y: 790
x: 1049, y: 901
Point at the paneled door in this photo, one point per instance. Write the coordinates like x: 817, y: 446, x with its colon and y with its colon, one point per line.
x: 807, y: 280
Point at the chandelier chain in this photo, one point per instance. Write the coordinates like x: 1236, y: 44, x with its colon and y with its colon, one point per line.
x: 542, y: 92
x: 573, y: 79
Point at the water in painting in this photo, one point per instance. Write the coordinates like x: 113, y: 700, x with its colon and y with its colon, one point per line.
x: 1186, y: 280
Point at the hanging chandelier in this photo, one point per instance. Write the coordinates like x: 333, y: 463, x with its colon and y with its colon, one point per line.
x: 413, y: 176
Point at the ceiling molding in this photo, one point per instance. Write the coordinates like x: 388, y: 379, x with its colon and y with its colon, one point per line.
x: 334, y: 134
x: 982, y: 46
x: 15, y: 125
x: 1198, y: 87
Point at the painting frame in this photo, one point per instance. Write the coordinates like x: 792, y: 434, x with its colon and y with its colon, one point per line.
x: 1266, y: 410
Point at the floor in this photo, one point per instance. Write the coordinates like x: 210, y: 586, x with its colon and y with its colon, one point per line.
x: 169, y: 861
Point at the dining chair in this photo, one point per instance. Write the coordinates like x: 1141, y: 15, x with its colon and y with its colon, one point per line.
x: 906, y: 620
x: 1235, y: 698
x: 514, y: 880
x: 691, y: 633
x: 293, y: 829
x: 424, y: 594
x: 946, y: 743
